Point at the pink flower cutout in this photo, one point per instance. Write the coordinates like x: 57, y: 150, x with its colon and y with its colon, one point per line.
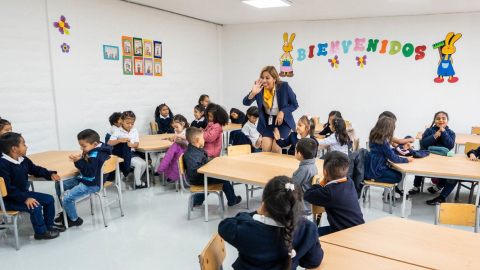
x: 361, y: 61
x: 62, y: 26
x: 65, y: 47
x: 334, y: 62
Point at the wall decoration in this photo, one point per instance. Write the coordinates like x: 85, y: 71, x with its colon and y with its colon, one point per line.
x: 157, y: 67
x: 361, y: 61
x: 127, y: 65
x: 147, y: 48
x: 110, y: 52
x: 334, y: 62
x: 445, y: 65
x: 65, y: 47
x: 62, y: 25
x: 157, y: 49
x: 286, y: 60
x: 137, y: 47
x: 148, y: 66
x: 127, y: 46
x: 138, y: 65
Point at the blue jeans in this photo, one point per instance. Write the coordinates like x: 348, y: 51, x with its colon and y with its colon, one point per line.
x: 390, y: 176
x: 449, y: 187
x: 67, y: 185
x: 74, y: 194
x: 227, y: 189
x: 39, y: 221
x: 324, y: 231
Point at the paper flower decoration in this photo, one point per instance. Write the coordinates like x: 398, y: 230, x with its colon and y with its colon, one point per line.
x: 361, y: 61
x: 334, y: 62
x: 65, y: 47
x: 62, y: 25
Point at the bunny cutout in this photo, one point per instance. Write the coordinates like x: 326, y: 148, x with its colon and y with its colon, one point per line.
x: 445, y: 65
x: 286, y: 60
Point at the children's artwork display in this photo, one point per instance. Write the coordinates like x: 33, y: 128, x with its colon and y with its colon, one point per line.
x: 147, y: 48
x: 157, y: 67
x: 127, y: 46
x: 148, y: 66
x: 137, y: 47
x: 138, y: 65
x: 147, y: 56
x: 157, y: 53
x: 62, y: 25
x: 127, y: 65
x: 445, y: 65
x: 286, y: 60
x: 110, y: 52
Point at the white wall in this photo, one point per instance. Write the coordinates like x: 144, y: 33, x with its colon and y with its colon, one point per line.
x: 388, y: 82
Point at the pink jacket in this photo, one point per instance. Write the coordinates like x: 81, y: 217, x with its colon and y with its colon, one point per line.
x: 213, y: 139
x: 169, y: 164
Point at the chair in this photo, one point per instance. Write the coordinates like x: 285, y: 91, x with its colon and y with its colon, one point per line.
x: 316, y: 119
x: 468, y: 146
x: 427, y: 127
x: 237, y: 150
x: 13, y: 215
x: 458, y: 214
x: 347, y: 123
x: 476, y: 130
x: 153, y: 128
x: 213, y: 254
x: 317, y: 211
x: 387, y: 189
x: 216, y: 189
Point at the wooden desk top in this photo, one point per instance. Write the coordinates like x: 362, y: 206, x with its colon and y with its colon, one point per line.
x: 231, y: 126
x: 460, y: 138
x: 458, y: 166
x: 154, y: 142
x: 255, y: 168
x: 412, y: 242
x: 336, y: 257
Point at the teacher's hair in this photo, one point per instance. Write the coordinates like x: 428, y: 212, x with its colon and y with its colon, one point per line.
x: 273, y: 72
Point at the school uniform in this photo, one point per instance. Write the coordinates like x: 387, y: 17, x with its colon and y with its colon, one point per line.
x: 303, y: 177
x: 113, y: 128
x: 164, y: 124
x: 376, y: 163
x: 260, y: 242
x: 326, y: 132
x: 250, y: 130
x: 199, y: 123
x: 239, y: 120
x: 292, y: 140
x: 334, y: 144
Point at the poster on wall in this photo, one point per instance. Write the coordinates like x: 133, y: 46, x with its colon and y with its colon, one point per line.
x: 286, y: 60
x: 127, y: 65
x: 445, y: 65
x: 110, y: 52
x: 158, y: 49
x: 147, y: 48
x: 148, y: 66
x: 137, y: 47
x: 127, y: 46
x: 158, y: 67
x: 138, y: 65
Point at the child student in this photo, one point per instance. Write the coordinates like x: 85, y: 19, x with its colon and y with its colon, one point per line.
x: 236, y: 116
x: 89, y: 163
x: 305, y: 153
x: 326, y: 132
x: 337, y: 194
x: 305, y: 129
x: 217, y: 118
x: 276, y: 236
x: 396, y: 142
x: 115, y: 121
x: 199, y: 114
x: 338, y: 139
x: 249, y: 127
x: 129, y: 135
x: 5, y: 126
x: 163, y: 117
x: 204, y: 100
x: 195, y: 157
x: 14, y: 169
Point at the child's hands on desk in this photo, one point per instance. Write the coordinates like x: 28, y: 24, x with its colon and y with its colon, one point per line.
x: 31, y: 203
x: 55, y: 177
x: 74, y: 158
x: 473, y: 157
x: 410, y: 159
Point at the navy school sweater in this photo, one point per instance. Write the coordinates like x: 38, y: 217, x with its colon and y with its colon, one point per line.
x: 16, y: 178
x: 195, y: 158
x: 340, y: 202
x: 446, y: 139
x: 90, y: 165
x: 262, y: 246
x: 292, y: 140
x: 476, y: 152
x: 377, y: 158
x: 239, y: 120
x: 199, y: 124
x: 164, y: 125
x: 326, y: 132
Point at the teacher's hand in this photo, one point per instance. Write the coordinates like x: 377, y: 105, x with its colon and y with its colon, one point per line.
x: 279, y: 120
x: 276, y: 134
x: 256, y: 88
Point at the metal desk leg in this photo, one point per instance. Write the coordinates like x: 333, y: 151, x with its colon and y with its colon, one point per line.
x: 404, y: 175
x: 63, y: 204
x: 148, y: 174
x: 206, y: 198
x: 478, y: 194
x: 456, y: 149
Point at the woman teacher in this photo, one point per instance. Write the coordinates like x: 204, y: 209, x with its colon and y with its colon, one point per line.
x: 276, y: 101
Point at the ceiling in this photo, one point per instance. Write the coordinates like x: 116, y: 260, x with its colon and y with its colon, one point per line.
x: 236, y: 12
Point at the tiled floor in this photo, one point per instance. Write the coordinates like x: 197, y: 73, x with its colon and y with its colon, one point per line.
x: 154, y: 234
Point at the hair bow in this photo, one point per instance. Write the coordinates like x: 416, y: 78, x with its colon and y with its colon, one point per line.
x: 293, y: 253
x: 309, y: 117
x: 289, y: 186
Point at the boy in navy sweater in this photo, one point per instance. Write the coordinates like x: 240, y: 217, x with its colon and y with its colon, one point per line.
x: 305, y: 153
x: 14, y: 169
x: 89, y: 164
x: 337, y: 194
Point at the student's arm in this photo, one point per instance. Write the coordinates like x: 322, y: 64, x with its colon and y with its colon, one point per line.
x: 192, y: 167
x: 13, y: 192
x: 390, y: 155
x: 227, y: 229
x: 325, y: 131
x: 448, y: 139
x: 427, y: 138
x: 133, y: 145
x: 38, y: 171
x: 476, y: 152
x: 284, y: 142
x: 135, y: 141
x: 318, y: 195
x: 327, y: 141
x: 114, y: 140
x: 292, y: 101
x: 299, y: 176
x: 89, y: 168
x: 402, y: 141
x: 314, y: 256
x: 212, y: 133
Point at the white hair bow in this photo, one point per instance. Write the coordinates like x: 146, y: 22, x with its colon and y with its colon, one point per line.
x: 289, y: 186
x: 309, y: 117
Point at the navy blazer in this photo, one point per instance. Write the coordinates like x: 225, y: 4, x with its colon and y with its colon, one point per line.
x: 287, y: 103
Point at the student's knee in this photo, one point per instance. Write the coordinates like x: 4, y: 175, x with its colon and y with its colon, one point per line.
x: 35, y: 209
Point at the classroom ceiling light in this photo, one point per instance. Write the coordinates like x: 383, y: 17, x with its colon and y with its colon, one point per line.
x: 267, y: 3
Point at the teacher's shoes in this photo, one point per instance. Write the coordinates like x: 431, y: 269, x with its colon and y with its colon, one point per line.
x: 434, y: 201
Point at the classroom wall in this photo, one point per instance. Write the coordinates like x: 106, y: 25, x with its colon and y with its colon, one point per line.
x: 388, y: 82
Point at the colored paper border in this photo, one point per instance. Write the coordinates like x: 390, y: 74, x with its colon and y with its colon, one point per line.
x: 155, y: 61
x: 131, y: 46
x: 157, y: 43
x: 131, y: 65
x: 110, y: 46
x: 134, y: 47
x: 145, y: 60
x: 138, y: 60
x: 145, y: 53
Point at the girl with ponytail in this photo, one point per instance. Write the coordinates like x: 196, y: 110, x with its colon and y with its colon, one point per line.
x: 276, y: 236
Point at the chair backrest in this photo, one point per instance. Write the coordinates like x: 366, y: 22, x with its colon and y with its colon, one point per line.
x: 356, y: 145
x: 368, y: 145
x: 316, y: 210
x: 457, y: 214
x: 213, y: 254
x: 182, y: 174
x: 109, y: 166
x: 3, y: 188
x: 316, y: 119
x: 153, y: 127
x: 237, y: 150
x: 471, y: 146
x: 476, y: 130
x: 427, y: 127
x: 347, y: 123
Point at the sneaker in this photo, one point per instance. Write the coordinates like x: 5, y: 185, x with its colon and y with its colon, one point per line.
x: 49, y: 234
x: 433, y: 189
x: 239, y: 200
x: 59, y: 218
x: 434, y: 201
x: 59, y: 228
x: 414, y: 190
x: 143, y: 185
x: 169, y: 180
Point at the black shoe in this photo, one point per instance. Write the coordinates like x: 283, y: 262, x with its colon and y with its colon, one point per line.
x: 59, y: 218
x: 433, y: 189
x: 49, y: 234
x: 156, y: 174
x: 239, y: 200
x: 414, y: 191
x: 169, y: 180
x: 143, y: 185
x: 2, y: 223
x: 59, y: 228
x: 75, y: 223
x: 434, y: 201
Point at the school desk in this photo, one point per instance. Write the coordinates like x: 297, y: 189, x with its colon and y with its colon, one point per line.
x: 412, y: 242
x: 252, y: 169
x: 226, y: 135
x: 460, y: 139
x: 319, y: 127
x: 458, y: 167
x: 153, y: 144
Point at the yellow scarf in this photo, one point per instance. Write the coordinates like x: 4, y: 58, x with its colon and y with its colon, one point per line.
x: 268, y: 97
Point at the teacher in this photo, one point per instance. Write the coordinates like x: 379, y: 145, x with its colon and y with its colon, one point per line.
x: 276, y: 101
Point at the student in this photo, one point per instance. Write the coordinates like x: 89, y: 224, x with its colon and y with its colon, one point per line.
x: 396, y: 142
x: 204, y: 100
x: 305, y: 153
x: 338, y: 139
x: 115, y: 121
x: 180, y: 126
x: 337, y: 194
x: 89, y: 165
x: 305, y: 129
x: 199, y: 114
x: 249, y: 127
x: 163, y: 117
x: 217, y: 118
x: 129, y: 135
x: 276, y: 236
x: 236, y: 116
x: 5, y: 126
x: 326, y: 132
x: 14, y: 169
x: 195, y: 157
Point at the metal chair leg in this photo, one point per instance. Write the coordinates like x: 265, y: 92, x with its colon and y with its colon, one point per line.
x: 102, y: 207
x: 15, y: 232
x: 472, y: 190
x: 220, y: 202
x: 104, y: 193
x: 91, y: 205
x: 394, y: 199
x: 459, y: 185
x: 190, y: 204
x: 251, y: 193
x: 390, y: 202
x: 32, y: 186
x: 362, y: 193
x: 246, y: 187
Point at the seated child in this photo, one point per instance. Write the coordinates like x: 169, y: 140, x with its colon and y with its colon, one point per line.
x: 115, y: 121
x: 195, y: 157
x: 204, y: 100
x: 14, y: 169
x: 338, y: 140
x: 199, y: 114
x: 305, y: 153
x: 305, y: 129
x: 276, y: 236
x: 163, y: 117
x: 397, y: 142
x: 5, y: 126
x: 249, y: 127
x: 236, y: 116
x: 217, y: 118
x: 326, y: 132
x: 337, y: 194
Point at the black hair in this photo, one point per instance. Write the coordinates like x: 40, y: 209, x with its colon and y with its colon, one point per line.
x: 89, y: 135
x: 336, y: 164
x: 388, y: 114
x: 332, y: 113
x: 440, y: 112
x: 309, y: 123
x: 252, y: 111
x: 202, y: 98
x: 285, y: 206
x: 192, y: 133
x: 200, y: 108
x: 180, y: 118
x: 128, y: 114
x: 9, y: 140
x: 307, y: 147
x: 113, y: 119
x: 340, y: 131
x: 3, y: 123
x: 160, y: 107
x: 220, y: 116
x: 238, y: 112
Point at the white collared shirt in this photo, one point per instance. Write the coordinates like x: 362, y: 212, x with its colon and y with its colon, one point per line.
x: 199, y: 120
x: 300, y: 136
x: 250, y: 130
x: 7, y: 157
x: 182, y: 133
x: 122, y: 133
x: 113, y: 128
x: 161, y: 116
x: 266, y: 220
x: 334, y: 144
